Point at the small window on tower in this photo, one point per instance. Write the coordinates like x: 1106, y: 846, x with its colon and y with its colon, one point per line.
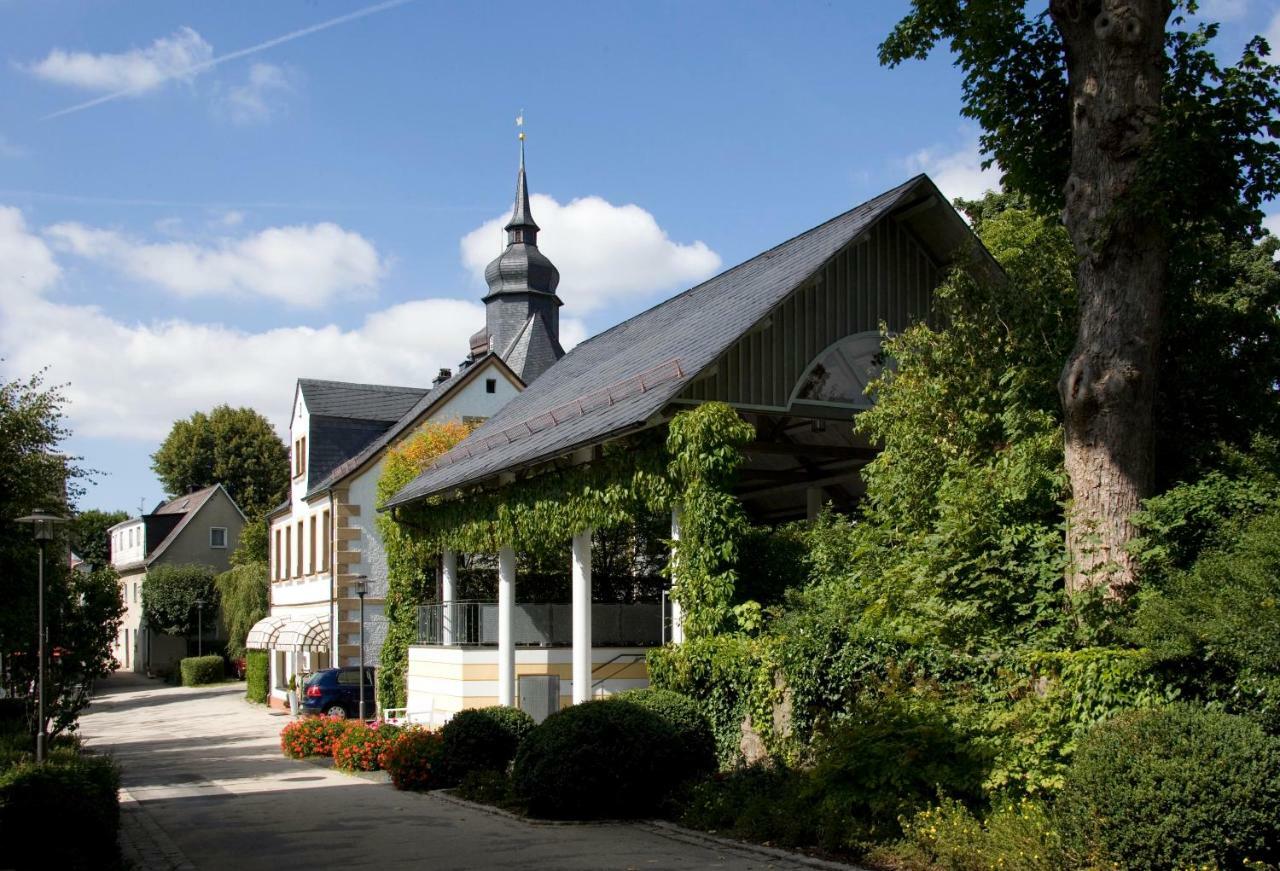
x: 491, y: 385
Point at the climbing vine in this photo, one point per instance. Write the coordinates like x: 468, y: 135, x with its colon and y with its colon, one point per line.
x: 410, y: 562
x: 705, y: 446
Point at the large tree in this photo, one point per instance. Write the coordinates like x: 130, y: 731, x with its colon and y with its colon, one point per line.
x: 82, y: 611
x: 234, y: 447
x: 1141, y: 140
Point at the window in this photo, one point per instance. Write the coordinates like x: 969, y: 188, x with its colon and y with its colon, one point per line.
x: 311, y: 548
x: 841, y: 373
x: 217, y: 536
x: 328, y: 536
x: 299, y: 566
x: 279, y: 573
x: 491, y: 385
x: 299, y: 457
x: 288, y: 550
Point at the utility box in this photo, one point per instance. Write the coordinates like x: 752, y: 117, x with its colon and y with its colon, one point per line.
x: 539, y: 695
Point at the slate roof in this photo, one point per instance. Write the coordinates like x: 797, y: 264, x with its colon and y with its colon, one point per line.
x: 639, y: 365
x: 371, y: 449
x: 358, y: 401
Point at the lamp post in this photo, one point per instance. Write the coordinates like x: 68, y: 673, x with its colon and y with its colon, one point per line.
x: 199, y: 627
x: 42, y: 524
x: 362, y: 587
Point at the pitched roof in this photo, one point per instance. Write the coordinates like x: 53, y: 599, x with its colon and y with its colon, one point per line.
x: 421, y: 407
x: 613, y: 382
x: 188, y: 506
x: 358, y: 401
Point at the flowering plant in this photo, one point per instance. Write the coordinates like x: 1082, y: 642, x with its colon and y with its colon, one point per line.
x: 360, y: 746
x: 312, y: 736
x: 413, y: 760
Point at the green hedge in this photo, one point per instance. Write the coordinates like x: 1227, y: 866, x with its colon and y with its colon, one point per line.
x: 63, y: 814
x: 600, y: 759
x: 695, y: 743
x: 197, y: 670
x: 482, y: 739
x: 1175, y: 787
x: 257, y: 677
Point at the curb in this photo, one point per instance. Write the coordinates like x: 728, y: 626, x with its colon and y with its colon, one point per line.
x: 671, y: 831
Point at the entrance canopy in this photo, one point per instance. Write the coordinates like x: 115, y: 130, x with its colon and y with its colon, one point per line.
x: 265, y: 633
x: 311, y: 633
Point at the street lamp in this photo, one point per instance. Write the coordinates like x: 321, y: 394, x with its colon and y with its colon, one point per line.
x: 199, y: 627
x: 42, y: 524
x: 362, y: 588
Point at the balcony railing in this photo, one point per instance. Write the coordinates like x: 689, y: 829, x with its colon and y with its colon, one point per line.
x: 539, y: 624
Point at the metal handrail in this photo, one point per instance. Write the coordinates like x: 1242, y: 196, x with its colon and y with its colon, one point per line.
x: 633, y: 658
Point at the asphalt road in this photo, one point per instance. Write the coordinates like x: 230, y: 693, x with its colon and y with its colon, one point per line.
x: 205, y: 786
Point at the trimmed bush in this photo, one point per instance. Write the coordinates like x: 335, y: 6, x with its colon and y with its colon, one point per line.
x: 80, y: 792
x: 1174, y: 787
x: 360, y: 746
x: 312, y: 736
x: 257, y: 676
x: 198, y: 670
x: 414, y: 759
x: 482, y: 739
x: 600, y: 759
x: 695, y: 746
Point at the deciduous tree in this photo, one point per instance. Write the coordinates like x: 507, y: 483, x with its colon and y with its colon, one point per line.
x: 1142, y: 141
x: 234, y: 447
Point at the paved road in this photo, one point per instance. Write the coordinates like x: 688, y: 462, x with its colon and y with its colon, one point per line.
x: 205, y: 786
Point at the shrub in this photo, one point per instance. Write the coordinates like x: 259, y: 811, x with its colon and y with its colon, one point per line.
x: 695, y: 747
x: 757, y: 802
x: 257, y: 676
x: 197, y: 670
x: 312, y: 736
x: 482, y: 739
x: 887, y: 760
x: 595, y: 759
x: 1022, y: 835
x: 414, y: 759
x: 79, y: 789
x: 1176, y: 787
x: 360, y: 746
x: 491, y: 788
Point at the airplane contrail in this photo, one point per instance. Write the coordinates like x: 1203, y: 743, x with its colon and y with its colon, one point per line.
x: 235, y: 55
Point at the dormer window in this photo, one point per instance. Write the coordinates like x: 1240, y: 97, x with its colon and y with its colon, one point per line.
x: 300, y: 457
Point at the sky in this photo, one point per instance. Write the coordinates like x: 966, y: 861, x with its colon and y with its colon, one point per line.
x: 202, y: 202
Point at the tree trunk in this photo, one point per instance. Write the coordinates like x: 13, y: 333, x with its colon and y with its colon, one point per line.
x: 1115, y: 69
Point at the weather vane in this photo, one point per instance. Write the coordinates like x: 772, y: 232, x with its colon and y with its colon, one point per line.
x: 520, y: 124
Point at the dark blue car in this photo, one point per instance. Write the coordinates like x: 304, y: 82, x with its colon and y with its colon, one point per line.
x: 336, y: 693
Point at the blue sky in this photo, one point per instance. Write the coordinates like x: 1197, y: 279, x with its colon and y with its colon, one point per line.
x: 217, y: 226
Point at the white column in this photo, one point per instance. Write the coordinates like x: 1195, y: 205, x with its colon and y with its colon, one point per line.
x: 582, y: 616
x: 677, y: 618
x: 448, y: 588
x: 506, y: 644
x: 813, y: 498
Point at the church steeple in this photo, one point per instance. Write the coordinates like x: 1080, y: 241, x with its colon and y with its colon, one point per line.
x: 522, y: 317
x: 521, y: 227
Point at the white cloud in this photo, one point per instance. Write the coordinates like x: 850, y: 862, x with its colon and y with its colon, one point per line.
x: 604, y: 252
x: 958, y: 172
x: 230, y: 218
x: 136, y: 71
x: 132, y: 380
x: 261, y: 96
x: 305, y: 266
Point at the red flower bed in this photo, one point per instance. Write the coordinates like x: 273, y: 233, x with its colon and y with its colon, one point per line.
x: 360, y: 746
x: 312, y: 736
x: 413, y: 759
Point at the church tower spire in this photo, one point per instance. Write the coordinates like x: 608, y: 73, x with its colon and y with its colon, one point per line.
x: 522, y: 311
